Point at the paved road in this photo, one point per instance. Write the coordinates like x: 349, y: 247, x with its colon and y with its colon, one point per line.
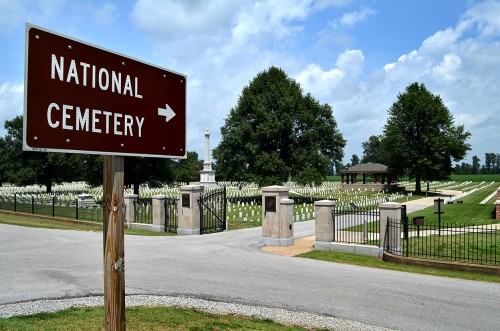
x: 43, y: 263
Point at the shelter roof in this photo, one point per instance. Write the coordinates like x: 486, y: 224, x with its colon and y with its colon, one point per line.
x: 366, y: 168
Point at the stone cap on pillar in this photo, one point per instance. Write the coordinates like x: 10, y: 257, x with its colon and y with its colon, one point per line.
x: 275, y: 188
x: 327, y: 203
x: 286, y: 201
x: 390, y: 205
x: 191, y: 188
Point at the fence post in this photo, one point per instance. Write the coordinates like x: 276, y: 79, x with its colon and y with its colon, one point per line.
x: 188, y: 209
x: 323, y: 226
x: 277, y: 222
x: 497, y: 204
x: 390, y: 210
x: 33, y: 204
x: 158, y: 202
x: 130, y: 201
x: 53, y: 206
x: 76, y: 211
x: 15, y: 202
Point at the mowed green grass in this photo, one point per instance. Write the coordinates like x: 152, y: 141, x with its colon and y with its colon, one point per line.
x: 469, y: 212
x: 35, y: 222
x: 374, y: 262
x: 141, y: 319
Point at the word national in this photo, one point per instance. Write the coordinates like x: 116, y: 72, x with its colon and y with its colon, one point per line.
x: 85, y: 74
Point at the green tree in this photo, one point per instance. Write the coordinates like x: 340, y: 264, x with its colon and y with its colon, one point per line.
x: 188, y: 169
x: 373, y: 151
x: 27, y: 168
x: 275, y: 131
x: 354, y: 159
x: 420, y: 137
x: 475, y: 165
x: 146, y: 170
x: 3, y: 161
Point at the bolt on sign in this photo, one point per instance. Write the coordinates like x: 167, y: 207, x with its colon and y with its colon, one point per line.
x: 80, y: 98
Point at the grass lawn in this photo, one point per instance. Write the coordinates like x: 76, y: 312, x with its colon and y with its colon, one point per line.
x: 52, y: 224
x: 374, y: 262
x: 140, y: 318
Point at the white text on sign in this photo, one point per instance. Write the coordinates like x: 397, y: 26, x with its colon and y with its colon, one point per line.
x: 100, y: 77
x: 93, y: 120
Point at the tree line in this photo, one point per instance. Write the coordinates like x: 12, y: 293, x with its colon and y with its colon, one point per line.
x: 491, y: 165
x: 21, y: 168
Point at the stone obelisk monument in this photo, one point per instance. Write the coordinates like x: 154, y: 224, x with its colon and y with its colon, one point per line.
x: 207, y: 175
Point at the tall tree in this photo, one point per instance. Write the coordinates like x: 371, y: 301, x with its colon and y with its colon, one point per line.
x: 373, y: 151
x: 354, y: 160
x: 146, y: 170
x: 475, y: 165
x: 489, y: 163
x: 188, y: 169
x: 420, y: 137
x: 26, y: 168
x: 3, y: 161
x: 275, y: 131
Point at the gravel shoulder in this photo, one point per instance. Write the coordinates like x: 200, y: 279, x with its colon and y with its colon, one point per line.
x: 282, y: 316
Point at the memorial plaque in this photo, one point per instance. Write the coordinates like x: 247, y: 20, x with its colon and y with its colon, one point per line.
x: 270, y: 203
x: 186, y: 201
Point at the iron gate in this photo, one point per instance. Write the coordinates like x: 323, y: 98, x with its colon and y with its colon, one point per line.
x: 213, y: 211
x: 356, y: 225
x: 170, y: 214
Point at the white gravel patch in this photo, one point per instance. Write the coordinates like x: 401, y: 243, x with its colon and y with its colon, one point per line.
x: 282, y: 316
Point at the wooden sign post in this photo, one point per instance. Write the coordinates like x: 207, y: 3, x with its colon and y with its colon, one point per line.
x: 81, y: 98
x: 113, y: 236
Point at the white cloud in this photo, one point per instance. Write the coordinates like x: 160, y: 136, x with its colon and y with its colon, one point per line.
x: 15, y: 13
x: 336, y: 83
x: 486, y: 16
x: 176, y: 19
x: 350, y: 19
x: 105, y: 14
x: 11, y: 102
x: 448, y: 68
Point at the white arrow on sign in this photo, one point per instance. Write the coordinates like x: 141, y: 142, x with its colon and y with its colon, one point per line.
x: 167, y: 112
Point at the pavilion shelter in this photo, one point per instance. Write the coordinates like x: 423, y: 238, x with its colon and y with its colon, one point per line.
x: 375, y: 177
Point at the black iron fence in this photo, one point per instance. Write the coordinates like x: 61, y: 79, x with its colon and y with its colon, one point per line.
x: 474, y: 244
x: 356, y: 225
x: 53, y: 206
x: 171, y: 221
x: 144, y: 211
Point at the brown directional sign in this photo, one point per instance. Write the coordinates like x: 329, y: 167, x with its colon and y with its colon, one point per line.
x: 81, y: 98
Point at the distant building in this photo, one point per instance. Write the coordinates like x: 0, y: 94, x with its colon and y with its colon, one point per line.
x: 374, y: 177
x: 207, y: 175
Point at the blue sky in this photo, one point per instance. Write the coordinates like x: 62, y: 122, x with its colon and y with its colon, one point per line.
x: 355, y: 55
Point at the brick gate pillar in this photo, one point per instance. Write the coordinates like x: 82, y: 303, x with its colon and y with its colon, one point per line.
x: 277, y: 216
x: 188, y: 209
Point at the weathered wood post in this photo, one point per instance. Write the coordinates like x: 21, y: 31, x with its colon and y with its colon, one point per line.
x: 113, y: 236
